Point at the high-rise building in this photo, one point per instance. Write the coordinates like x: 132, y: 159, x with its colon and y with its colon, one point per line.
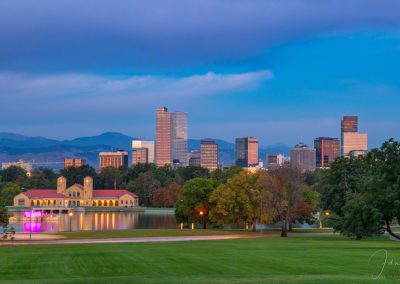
x: 246, y: 152
x: 353, y: 141
x: 179, y: 137
x: 171, y: 137
x: 114, y: 159
x: 303, y: 158
x: 327, y: 150
x: 209, y: 154
x: 194, y: 158
x: 144, y: 144
x: 74, y: 163
x: 140, y: 156
x: 163, y: 137
x: 275, y: 161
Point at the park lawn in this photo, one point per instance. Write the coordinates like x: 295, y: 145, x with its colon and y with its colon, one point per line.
x: 305, y: 259
x: 140, y: 233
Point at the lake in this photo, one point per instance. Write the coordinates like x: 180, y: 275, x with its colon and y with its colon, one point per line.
x: 95, y: 221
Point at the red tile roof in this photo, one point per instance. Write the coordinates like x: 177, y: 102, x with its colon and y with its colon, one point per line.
x: 44, y: 193
x: 97, y: 193
x: 111, y: 193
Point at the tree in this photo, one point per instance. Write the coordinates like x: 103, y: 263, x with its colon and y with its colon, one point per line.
x: 77, y: 174
x: 14, y: 174
x: 222, y: 176
x: 191, y: 172
x: 144, y: 186
x: 193, y: 199
x: 167, y: 196
x: 8, y: 192
x: 164, y: 174
x: 238, y: 201
x: 283, y: 187
x: 383, y: 188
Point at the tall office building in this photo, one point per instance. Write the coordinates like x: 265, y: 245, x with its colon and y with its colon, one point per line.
x: 144, y: 144
x: 275, y: 161
x: 179, y: 138
x: 303, y: 158
x: 140, y: 156
x: 74, y: 163
x: 114, y: 159
x: 327, y: 150
x: 246, y: 152
x: 209, y: 154
x: 351, y: 140
x: 194, y: 158
x: 163, y: 137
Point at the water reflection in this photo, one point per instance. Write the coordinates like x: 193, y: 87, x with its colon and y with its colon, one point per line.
x: 94, y: 221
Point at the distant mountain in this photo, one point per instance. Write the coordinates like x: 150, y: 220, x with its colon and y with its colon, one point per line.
x: 49, y: 152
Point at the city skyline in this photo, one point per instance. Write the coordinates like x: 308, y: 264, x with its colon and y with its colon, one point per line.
x: 112, y: 75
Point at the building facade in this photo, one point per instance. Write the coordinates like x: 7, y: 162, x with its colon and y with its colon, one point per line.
x: 163, y: 137
x: 21, y: 164
x: 179, y: 138
x: 275, y: 161
x: 171, y: 138
x: 74, y: 163
x: 303, y: 158
x: 194, y: 158
x: 140, y: 156
x: 76, y: 195
x: 327, y: 150
x: 145, y: 144
x: 209, y: 154
x: 114, y: 159
x: 353, y: 141
x: 246, y: 152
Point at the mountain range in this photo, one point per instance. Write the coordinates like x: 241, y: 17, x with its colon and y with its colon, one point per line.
x: 50, y: 153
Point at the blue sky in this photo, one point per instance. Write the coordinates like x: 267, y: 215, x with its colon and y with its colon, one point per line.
x: 279, y: 70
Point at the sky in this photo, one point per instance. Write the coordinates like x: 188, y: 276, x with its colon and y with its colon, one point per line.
x: 279, y: 70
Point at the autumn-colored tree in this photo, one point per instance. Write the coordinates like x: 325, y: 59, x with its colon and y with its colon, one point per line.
x: 167, y: 196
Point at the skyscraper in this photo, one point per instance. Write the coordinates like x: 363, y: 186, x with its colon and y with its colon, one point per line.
x: 163, y: 137
x: 209, y: 154
x: 179, y: 138
x: 327, y: 150
x: 275, y: 161
x: 144, y: 144
x: 303, y: 157
x: 351, y: 140
x: 140, y: 156
x: 114, y: 159
x: 171, y: 137
x: 246, y: 152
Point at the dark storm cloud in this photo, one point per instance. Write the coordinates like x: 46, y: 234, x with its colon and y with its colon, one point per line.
x: 151, y: 35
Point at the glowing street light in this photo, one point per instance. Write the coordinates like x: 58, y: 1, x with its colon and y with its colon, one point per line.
x: 202, y: 218
x: 70, y: 220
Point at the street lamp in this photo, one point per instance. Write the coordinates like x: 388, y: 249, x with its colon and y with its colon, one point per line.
x: 70, y: 220
x: 202, y: 218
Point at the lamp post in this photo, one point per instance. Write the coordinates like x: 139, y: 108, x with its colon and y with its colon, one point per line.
x: 70, y: 220
x: 202, y: 219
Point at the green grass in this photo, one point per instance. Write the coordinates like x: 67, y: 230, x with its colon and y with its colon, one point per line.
x: 318, y: 259
x: 140, y: 233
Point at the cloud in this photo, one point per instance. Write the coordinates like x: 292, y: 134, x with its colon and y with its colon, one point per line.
x: 132, y: 36
x: 56, y: 95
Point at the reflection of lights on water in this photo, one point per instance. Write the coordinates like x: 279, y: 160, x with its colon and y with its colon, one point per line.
x: 34, y: 214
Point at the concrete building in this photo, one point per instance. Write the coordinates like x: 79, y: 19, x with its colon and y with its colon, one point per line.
x: 21, y: 164
x: 327, y: 150
x: 140, y: 156
x: 76, y: 195
x: 275, y: 161
x: 209, y: 154
x: 171, y: 138
x: 74, y: 163
x: 163, y: 137
x: 145, y: 144
x: 114, y: 159
x: 246, y: 152
x: 353, y: 141
x: 303, y: 158
x: 194, y: 158
x: 179, y: 137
